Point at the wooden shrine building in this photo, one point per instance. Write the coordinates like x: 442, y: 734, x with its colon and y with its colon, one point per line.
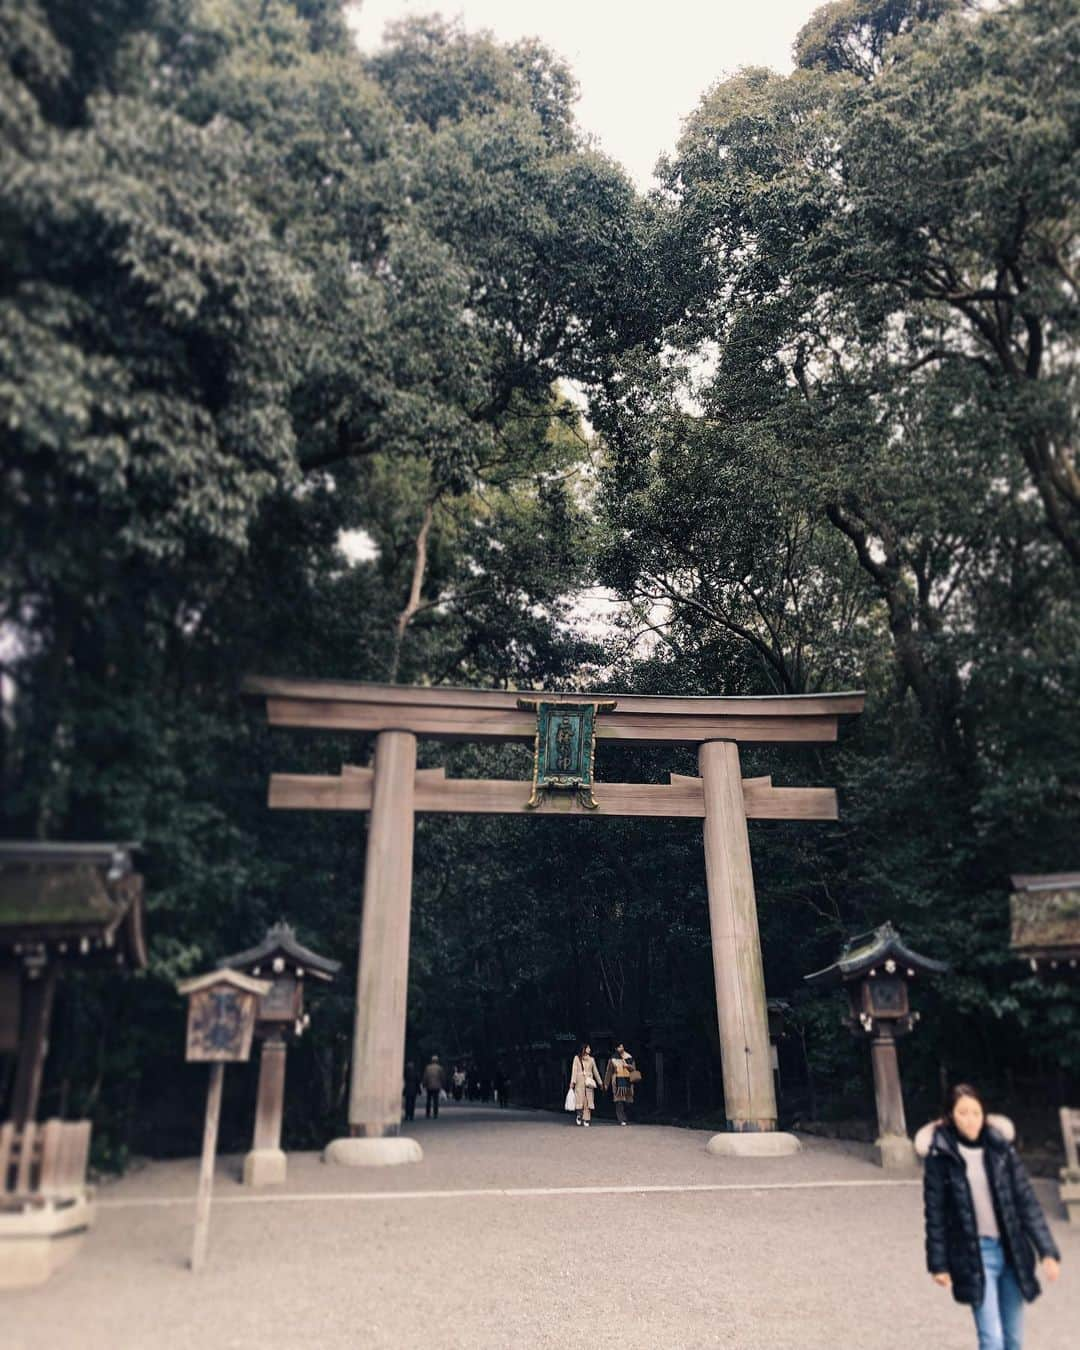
x: 62, y: 906
x: 565, y: 730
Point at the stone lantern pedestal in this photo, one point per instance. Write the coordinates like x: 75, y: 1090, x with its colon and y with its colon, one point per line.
x: 265, y: 1165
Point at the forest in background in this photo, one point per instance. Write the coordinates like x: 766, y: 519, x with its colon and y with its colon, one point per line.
x: 807, y: 410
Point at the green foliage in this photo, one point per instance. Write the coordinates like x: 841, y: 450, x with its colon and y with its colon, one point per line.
x: 853, y: 462
x: 240, y: 321
x: 856, y: 36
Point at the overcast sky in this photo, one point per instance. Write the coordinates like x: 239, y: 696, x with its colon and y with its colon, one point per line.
x: 642, y: 64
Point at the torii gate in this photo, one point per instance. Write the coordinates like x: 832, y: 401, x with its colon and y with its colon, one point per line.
x: 394, y: 790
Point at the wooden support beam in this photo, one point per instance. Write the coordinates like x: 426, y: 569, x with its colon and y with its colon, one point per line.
x: 511, y: 724
x: 37, y: 1002
x: 435, y: 793
x: 362, y: 772
x: 206, y: 1167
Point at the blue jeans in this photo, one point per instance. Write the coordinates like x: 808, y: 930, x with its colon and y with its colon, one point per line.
x: 1000, y: 1316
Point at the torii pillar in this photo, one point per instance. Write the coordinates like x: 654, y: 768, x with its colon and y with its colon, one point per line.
x: 382, y: 981
x: 382, y: 977
x: 749, y: 1092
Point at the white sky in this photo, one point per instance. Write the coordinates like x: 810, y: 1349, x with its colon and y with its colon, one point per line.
x: 642, y: 64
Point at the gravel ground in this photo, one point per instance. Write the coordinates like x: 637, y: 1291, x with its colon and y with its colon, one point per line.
x: 805, y: 1253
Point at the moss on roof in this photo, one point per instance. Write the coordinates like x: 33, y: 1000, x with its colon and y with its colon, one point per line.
x: 45, y: 895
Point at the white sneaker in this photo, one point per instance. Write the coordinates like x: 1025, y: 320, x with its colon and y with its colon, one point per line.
x: 586, y: 1123
x: 579, y: 1121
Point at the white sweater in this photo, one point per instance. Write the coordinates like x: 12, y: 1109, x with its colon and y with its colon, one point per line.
x: 975, y: 1164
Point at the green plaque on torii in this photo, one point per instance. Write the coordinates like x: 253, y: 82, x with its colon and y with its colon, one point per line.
x: 565, y: 748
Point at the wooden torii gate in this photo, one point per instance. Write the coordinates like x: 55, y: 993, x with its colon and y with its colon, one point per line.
x: 394, y: 790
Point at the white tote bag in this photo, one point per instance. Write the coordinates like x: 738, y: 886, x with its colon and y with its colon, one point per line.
x: 571, y: 1103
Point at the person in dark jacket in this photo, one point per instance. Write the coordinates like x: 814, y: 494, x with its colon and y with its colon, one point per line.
x: 618, y: 1081
x: 412, y: 1090
x: 984, y: 1223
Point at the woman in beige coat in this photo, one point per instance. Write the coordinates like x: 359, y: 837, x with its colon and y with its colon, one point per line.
x: 584, y: 1079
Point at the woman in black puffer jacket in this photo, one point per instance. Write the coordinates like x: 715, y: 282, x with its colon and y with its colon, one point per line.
x: 984, y: 1223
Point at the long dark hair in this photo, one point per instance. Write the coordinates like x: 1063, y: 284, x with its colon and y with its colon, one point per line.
x: 585, y: 1045
x: 954, y: 1094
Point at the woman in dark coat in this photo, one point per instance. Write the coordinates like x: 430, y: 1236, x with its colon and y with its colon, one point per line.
x: 984, y: 1223
x: 617, y: 1079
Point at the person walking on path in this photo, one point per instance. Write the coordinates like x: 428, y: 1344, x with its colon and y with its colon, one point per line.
x: 584, y: 1079
x: 457, y: 1081
x: 434, y: 1081
x: 412, y: 1090
x: 618, y: 1080
x: 984, y: 1224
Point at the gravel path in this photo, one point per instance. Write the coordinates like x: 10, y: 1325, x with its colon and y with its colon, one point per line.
x: 576, y: 1238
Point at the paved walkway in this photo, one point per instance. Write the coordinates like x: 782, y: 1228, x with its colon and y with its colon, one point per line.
x: 519, y: 1230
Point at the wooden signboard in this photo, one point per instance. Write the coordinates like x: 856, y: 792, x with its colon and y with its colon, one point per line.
x: 221, y: 1022
x: 565, y: 748
x: 221, y: 1015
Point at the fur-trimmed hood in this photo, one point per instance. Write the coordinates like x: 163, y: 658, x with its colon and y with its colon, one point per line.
x: 1002, y: 1125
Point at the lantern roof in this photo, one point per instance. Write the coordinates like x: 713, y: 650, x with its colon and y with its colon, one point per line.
x: 232, y: 978
x: 82, y: 900
x: 281, y: 941
x: 867, y: 951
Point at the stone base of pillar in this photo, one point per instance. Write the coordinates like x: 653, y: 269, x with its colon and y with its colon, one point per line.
x: 37, y: 1241
x: 264, y: 1167
x: 895, y: 1150
x: 1070, y: 1194
x: 759, y: 1144
x: 389, y: 1152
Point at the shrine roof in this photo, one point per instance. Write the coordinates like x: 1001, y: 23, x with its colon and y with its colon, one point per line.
x: 866, y: 951
x: 84, y: 894
x: 1045, y: 916
x: 280, y: 940
x: 1047, y: 881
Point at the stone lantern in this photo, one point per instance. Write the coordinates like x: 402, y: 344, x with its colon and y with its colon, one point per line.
x: 288, y: 965
x: 1045, y: 914
x: 876, y: 968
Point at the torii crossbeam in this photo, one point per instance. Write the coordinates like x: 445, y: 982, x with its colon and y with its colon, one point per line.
x: 394, y: 790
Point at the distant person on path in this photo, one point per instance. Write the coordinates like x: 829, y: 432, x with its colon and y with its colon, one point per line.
x: 457, y: 1082
x: 412, y: 1090
x: 617, y: 1080
x: 584, y: 1079
x: 984, y: 1224
x: 502, y: 1086
x: 434, y: 1081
